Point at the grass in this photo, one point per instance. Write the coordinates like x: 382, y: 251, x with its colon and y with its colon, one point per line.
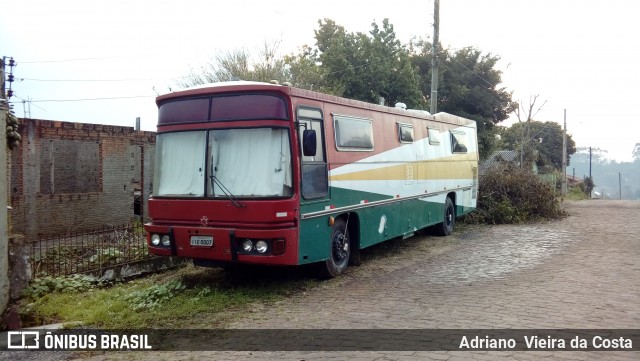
x: 576, y: 194
x: 192, y: 297
x: 188, y: 297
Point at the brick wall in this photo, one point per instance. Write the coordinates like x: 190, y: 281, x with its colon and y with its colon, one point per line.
x: 73, y: 176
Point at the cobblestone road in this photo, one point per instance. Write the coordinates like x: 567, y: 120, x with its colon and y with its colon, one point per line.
x: 581, y: 272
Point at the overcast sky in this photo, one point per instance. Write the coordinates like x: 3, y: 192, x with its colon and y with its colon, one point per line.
x: 582, y: 56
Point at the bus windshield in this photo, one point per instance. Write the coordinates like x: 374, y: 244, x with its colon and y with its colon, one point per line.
x: 224, y: 163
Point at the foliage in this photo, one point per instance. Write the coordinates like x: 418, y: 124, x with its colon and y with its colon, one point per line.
x: 508, y: 194
x: 366, y: 66
x: 587, y: 186
x: 307, y: 73
x: 153, y: 296
x: 240, y: 64
x: 69, y: 284
x: 13, y: 137
x: 577, y: 193
x: 544, y: 144
x: 185, y: 297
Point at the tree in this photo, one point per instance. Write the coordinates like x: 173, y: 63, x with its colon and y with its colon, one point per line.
x: 367, y: 66
x: 306, y: 72
x: 241, y: 64
x: 544, y: 142
x: 588, y: 186
x: 528, y: 152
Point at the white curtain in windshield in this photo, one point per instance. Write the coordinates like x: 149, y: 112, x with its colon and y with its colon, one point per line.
x: 251, y: 162
x: 180, y: 159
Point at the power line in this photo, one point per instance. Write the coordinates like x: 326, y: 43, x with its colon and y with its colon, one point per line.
x: 84, y: 80
x: 24, y: 101
x: 87, y: 99
x: 67, y: 60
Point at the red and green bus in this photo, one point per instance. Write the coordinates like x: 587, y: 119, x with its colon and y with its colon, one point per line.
x: 268, y: 174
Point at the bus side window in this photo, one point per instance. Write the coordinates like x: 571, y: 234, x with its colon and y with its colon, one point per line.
x: 434, y: 136
x: 353, y: 134
x: 458, y: 141
x: 405, y: 133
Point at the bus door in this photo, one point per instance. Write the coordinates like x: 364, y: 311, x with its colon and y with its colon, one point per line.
x: 315, y: 183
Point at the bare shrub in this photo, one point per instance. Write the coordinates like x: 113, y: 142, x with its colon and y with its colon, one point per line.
x: 509, y: 194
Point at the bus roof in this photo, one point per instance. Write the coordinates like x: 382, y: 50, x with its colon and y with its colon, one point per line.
x: 240, y: 86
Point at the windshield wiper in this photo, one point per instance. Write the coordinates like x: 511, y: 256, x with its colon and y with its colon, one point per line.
x: 226, y: 192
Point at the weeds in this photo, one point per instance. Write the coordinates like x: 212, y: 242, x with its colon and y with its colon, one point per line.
x: 187, y: 297
x: 509, y: 194
x: 70, y: 284
x: 153, y: 296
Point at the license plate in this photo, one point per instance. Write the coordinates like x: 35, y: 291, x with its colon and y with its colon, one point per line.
x: 202, y: 241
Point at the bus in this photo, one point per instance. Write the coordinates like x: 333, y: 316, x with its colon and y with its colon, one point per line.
x: 270, y: 174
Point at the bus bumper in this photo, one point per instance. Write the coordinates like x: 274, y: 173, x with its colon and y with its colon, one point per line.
x: 268, y: 246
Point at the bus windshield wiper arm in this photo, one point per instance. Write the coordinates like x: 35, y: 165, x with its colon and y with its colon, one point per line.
x: 226, y: 191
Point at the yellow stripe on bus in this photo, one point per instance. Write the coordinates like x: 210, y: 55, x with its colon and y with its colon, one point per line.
x: 443, y: 168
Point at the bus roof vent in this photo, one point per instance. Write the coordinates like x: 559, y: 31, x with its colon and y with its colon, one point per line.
x: 274, y: 82
x: 401, y: 105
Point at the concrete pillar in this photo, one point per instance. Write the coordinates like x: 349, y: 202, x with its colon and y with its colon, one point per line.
x: 4, y: 225
x: 31, y: 178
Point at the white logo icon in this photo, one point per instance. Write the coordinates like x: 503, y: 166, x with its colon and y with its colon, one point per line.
x: 23, y: 340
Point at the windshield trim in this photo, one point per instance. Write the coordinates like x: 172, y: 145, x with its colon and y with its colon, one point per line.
x: 206, y: 194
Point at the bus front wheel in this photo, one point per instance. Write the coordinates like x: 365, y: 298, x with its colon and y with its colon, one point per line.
x: 340, y: 251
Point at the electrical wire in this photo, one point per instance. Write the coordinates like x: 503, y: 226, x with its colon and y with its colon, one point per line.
x: 83, y: 80
x: 66, y: 60
x: 86, y: 99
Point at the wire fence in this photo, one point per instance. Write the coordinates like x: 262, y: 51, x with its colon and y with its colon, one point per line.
x: 88, y: 251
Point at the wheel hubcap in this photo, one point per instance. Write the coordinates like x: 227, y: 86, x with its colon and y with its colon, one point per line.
x: 340, y: 247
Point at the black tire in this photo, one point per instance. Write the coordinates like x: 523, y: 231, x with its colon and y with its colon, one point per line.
x: 356, y: 257
x: 339, y: 253
x: 446, y: 227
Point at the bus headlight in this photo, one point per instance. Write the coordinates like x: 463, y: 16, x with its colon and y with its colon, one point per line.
x: 261, y: 246
x: 247, y: 245
x: 155, y: 239
x: 166, y: 240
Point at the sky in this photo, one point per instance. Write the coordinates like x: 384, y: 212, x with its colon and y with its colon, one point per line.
x: 105, y: 61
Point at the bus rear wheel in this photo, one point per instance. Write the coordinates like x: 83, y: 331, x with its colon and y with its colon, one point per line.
x: 446, y: 227
x: 340, y: 251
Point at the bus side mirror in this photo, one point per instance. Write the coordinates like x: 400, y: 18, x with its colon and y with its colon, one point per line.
x: 309, y: 143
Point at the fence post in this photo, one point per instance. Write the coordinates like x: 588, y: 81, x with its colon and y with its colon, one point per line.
x: 20, y: 273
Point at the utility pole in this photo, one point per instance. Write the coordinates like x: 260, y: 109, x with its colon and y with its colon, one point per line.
x: 564, y: 156
x: 590, y: 156
x: 2, y: 65
x: 620, y: 185
x: 434, y: 58
x: 590, y: 171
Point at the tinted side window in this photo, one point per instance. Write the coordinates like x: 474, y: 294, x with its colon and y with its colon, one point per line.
x: 458, y: 141
x: 405, y: 133
x: 353, y: 134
